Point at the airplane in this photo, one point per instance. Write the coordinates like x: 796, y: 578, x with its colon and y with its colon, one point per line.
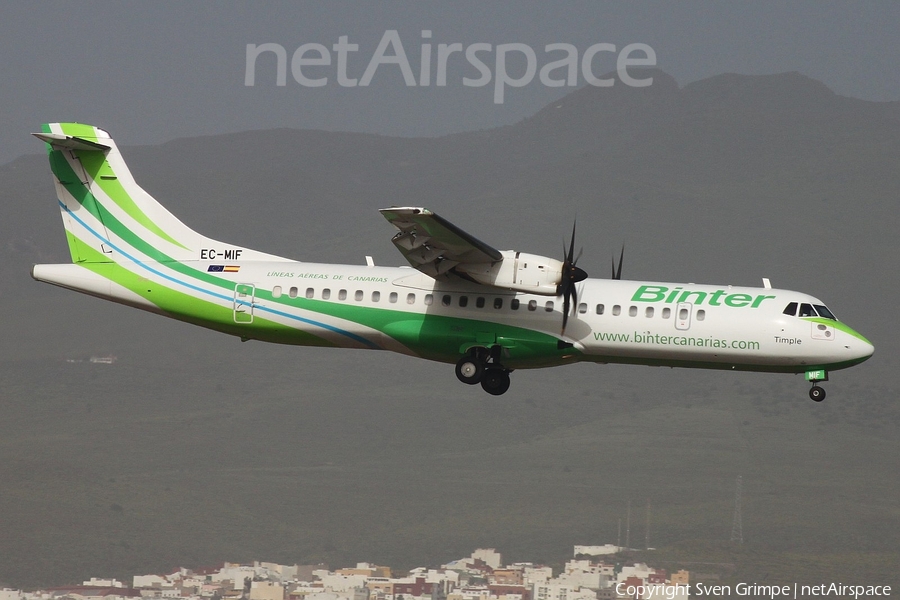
x: 461, y: 301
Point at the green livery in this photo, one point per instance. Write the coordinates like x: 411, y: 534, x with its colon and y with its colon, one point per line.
x: 486, y: 311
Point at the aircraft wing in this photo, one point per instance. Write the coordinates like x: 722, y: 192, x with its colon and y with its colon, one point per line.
x: 434, y: 245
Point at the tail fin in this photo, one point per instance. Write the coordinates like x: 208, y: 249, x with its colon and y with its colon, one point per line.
x: 108, y: 217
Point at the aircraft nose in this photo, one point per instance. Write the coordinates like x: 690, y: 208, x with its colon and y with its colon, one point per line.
x: 868, y: 349
x: 861, y: 348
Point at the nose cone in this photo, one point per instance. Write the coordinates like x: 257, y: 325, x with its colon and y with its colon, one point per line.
x: 859, y: 348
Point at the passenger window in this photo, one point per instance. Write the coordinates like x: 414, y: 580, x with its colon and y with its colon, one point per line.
x: 701, y: 315
x: 617, y: 310
x: 632, y: 311
x: 806, y: 310
x: 292, y: 292
x: 463, y: 301
x: 310, y: 293
x: 410, y: 298
x: 393, y: 298
x: 276, y: 291
x: 648, y: 312
x: 582, y: 308
x: 666, y: 313
x: 514, y: 304
x: 532, y: 305
x: 342, y: 295
x: 549, y: 306
x: 683, y: 314
x: 479, y: 302
x: 791, y: 309
x: 446, y: 299
x: 358, y: 296
x: 600, y: 308
x: 376, y: 296
x: 429, y: 299
x: 326, y: 294
x: 498, y: 303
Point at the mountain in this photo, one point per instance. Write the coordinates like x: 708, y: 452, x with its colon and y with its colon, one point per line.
x: 193, y: 448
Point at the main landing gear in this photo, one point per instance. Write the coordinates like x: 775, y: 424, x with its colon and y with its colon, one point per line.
x: 816, y: 393
x: 482, y: 366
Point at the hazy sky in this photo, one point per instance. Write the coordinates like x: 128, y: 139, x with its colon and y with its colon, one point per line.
x: 151, y: 72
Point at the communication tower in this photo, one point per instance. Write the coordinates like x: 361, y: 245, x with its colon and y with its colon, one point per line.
x: 737, y: 530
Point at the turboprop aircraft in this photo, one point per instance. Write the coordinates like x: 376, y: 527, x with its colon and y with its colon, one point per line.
x: 463, y: 302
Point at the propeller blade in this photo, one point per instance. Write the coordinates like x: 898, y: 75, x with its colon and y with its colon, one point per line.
x: 569, y: 307
x: 569, y: 257
x: 569, y: 277
x: 617, y: 271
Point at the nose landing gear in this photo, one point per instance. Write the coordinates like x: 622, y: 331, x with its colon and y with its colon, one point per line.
x: 482, y: 366
x: 816, y: 393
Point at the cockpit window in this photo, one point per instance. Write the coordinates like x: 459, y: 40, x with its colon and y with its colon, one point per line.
x: 809, y: 310
x: 806, y: 310
x: 824, y: 312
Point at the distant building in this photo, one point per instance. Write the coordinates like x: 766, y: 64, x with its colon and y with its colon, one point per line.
x: 536, y: 574
x: 94, y: 592
x: 490, y: 556
x: 97, y: 582
x: 266, y: 590
x: 596, y: 550
x: 367, y: 570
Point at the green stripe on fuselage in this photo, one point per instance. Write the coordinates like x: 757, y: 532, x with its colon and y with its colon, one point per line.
x: 837, y: 325
x: 188, y: 308
x: 99, y: 170
x: 436, y: 337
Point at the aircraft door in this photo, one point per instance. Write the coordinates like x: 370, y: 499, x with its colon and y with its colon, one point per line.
x: 244, y: 295
x: 683, y: 316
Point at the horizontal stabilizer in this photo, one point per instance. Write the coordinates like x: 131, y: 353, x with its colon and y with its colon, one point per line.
x: 59, y: 140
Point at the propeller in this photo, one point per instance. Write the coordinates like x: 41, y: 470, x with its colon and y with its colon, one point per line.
x: 617, y: 270
x: 570, y: 276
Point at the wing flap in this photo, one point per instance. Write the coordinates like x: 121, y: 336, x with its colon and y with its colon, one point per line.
x: 434, y: 245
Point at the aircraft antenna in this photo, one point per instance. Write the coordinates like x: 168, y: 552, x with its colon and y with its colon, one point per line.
x: 737, y: 530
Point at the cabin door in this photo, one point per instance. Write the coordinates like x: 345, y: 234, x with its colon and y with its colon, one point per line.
x: 683, y: 316
x: 244, y: 294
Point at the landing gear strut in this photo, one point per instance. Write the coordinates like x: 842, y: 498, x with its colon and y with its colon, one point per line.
x: 481, y: 365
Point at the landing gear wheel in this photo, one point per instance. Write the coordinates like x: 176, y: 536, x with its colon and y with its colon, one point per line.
x: 469, y: 370
x: 495, y: 381
x: 816, y: 393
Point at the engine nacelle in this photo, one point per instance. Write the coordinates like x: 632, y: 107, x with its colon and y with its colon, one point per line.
x: 518, y: 271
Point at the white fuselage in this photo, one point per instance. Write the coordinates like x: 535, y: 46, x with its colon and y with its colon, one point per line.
x: 615, y: 321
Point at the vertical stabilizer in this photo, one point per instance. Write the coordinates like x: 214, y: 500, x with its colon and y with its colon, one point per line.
x: 108, y: 217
